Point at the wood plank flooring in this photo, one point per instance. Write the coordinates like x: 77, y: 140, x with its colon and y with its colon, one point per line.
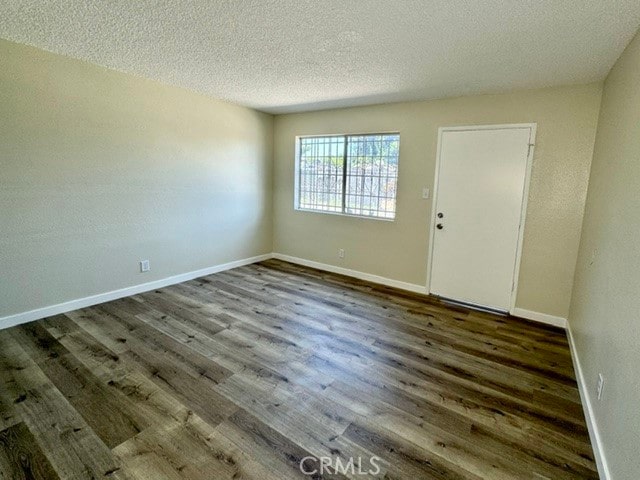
x: 247, y: 373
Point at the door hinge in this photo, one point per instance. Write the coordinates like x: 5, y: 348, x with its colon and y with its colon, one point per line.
x: 529, y: 148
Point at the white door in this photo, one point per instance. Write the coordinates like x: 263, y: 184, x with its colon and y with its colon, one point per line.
x: 480, y: 188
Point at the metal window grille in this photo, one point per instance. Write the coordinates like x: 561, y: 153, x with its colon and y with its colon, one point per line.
x: 350, y: 174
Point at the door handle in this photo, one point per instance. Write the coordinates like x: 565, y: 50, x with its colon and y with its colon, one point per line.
x: 439, y: 226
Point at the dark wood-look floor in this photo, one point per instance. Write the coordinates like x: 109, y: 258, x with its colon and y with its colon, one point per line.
x: 244, y: 373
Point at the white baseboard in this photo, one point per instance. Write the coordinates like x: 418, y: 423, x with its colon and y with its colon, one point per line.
x: 592, y: 426
x: 540, y: 317
x: 24, y: 317
x: 411, y: 287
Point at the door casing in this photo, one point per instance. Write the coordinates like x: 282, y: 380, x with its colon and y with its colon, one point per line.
x: 525, y: 198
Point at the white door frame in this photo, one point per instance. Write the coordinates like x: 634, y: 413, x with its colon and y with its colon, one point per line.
x: 525, y: 198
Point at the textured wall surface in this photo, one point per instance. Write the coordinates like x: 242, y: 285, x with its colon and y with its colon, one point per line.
x: 296, y: 55
x: 99, y: 170
x: 566, y: 119
x: 605, y: 308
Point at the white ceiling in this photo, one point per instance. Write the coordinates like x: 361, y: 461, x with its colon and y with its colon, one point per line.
x: 294, y: 55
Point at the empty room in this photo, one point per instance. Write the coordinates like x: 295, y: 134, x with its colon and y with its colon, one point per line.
x: 337, y: 239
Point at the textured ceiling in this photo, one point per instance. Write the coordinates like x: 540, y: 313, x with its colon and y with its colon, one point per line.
x: 295, y: 55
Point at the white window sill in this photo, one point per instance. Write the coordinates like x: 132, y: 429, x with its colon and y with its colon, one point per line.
x: 340, y: 214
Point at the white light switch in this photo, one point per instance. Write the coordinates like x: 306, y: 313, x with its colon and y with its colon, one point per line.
x: 425, y: 193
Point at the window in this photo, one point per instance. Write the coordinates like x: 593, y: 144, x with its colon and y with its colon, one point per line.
x: 348, y: 174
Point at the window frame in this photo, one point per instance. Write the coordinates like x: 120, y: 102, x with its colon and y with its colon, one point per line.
x: 297, y: 173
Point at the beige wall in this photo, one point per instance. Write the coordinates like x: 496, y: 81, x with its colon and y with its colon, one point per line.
x: 605, y: 309
x: 99, y: 169
x: 566, y: 119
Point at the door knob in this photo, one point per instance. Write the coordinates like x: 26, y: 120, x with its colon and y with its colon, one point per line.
x: 439, y: 226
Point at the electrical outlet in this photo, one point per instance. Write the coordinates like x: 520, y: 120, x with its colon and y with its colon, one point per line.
x: 600, y: 386
x: 144, y: 266
x: 341, y: 253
